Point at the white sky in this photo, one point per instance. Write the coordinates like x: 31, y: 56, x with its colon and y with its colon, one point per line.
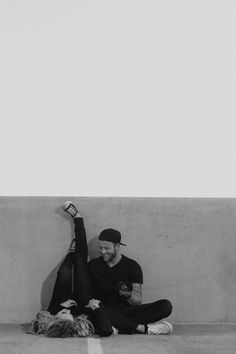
x: 118, y: 98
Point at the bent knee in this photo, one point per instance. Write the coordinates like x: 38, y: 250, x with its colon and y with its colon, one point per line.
x: 168, y: 306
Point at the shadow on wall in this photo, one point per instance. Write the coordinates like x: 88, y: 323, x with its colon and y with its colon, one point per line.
x: 93, y: 248
x: 48, y: 284
x: 47, y: 287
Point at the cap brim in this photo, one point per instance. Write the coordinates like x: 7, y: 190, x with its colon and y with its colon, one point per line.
x: 122, y: 244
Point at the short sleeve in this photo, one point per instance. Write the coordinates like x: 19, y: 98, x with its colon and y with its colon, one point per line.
x: 136, y: 273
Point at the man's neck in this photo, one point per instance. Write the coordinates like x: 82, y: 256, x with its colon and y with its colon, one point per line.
x: 115, y: 261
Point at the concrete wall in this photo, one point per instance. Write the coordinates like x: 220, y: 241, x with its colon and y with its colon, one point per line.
x: 186, y: 248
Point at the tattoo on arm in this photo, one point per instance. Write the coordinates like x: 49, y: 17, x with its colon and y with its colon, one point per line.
x: 136, y: 294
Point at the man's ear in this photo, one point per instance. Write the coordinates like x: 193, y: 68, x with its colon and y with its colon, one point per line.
x: 117, y: 245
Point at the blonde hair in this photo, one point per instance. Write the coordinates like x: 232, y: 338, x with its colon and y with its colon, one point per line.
x: 51, y: 326
x: 61, y: 329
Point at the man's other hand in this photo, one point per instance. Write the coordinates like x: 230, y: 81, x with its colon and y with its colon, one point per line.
x: 125, y: 289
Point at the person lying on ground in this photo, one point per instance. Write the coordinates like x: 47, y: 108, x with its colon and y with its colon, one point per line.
x: 73, y: 309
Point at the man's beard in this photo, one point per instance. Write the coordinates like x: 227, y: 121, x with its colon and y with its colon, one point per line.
x: 110, y: 257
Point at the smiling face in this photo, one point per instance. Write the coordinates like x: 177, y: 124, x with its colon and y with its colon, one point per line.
x: 65, y: 315
x: 108, y: 250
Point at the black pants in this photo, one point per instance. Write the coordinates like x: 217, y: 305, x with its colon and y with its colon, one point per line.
x: 124, y: 319
x: 127, y: 319
x: 73, y: 281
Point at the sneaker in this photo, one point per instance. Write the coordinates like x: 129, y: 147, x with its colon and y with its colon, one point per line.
x: 72, y: 246
x: 115, y: 331
x: 162, y: 327
x: 70, y: 208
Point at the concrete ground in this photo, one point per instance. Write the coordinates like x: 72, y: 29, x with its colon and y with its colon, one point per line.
x: 186, y: 339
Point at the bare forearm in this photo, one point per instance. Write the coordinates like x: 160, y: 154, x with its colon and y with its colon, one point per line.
x: 135, y: 298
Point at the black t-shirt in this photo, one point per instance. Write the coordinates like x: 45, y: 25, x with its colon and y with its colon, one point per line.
x: 105, y: 279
